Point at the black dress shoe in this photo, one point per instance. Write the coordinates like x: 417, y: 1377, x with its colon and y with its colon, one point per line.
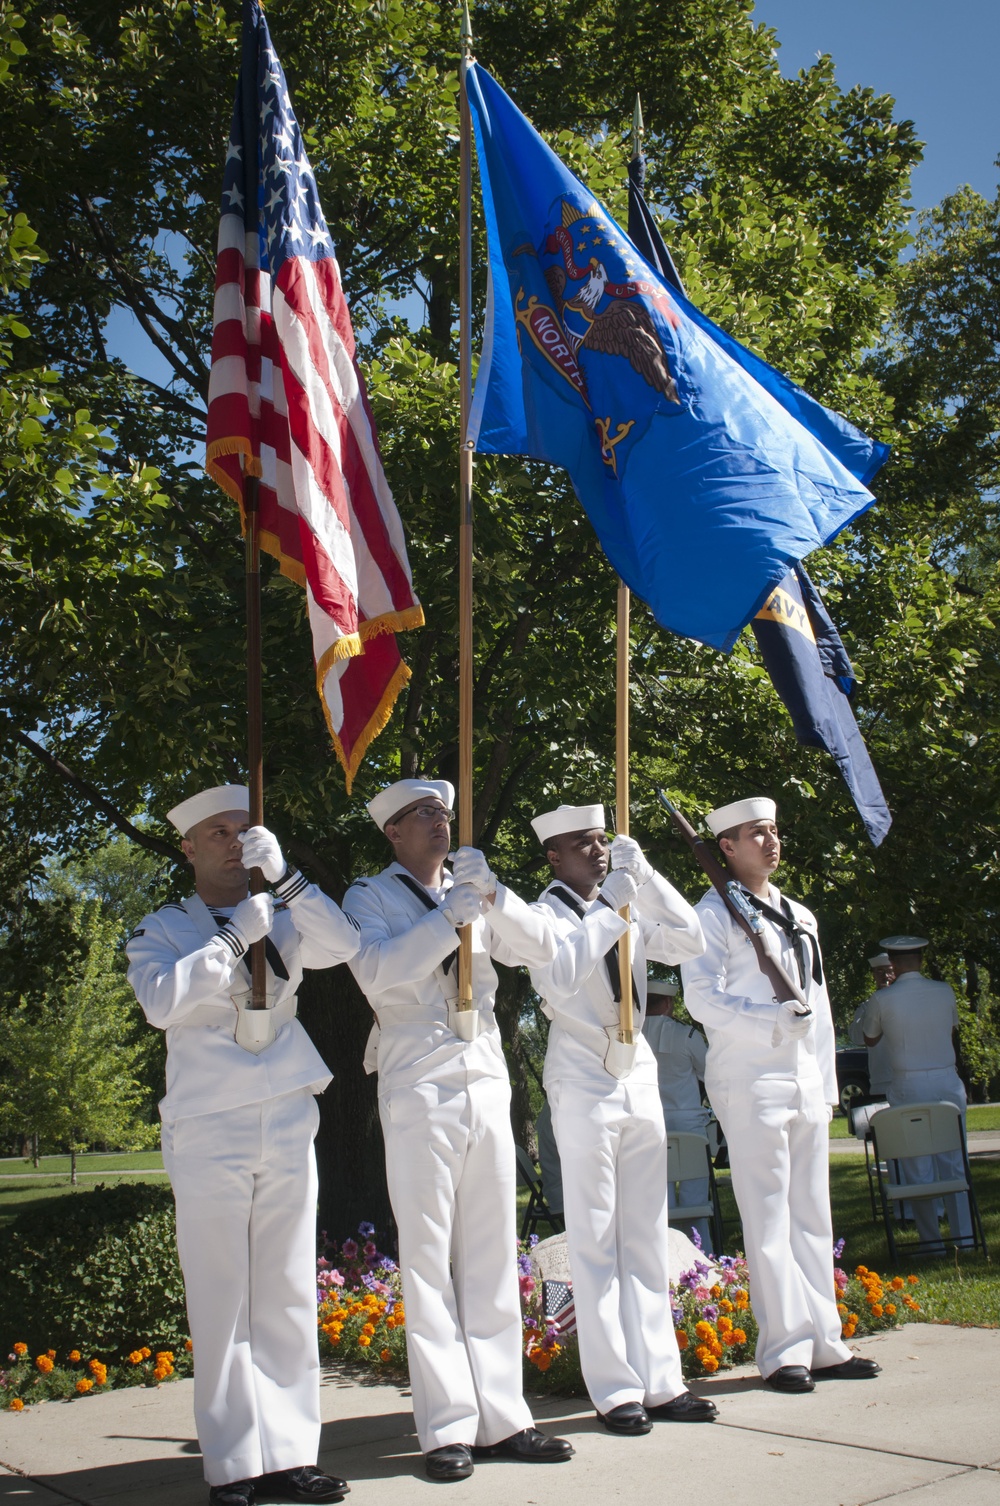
x: 529, y: 1445
x: 304, y: 1484
x: 631, y: 1419
x: 236, y: 1493
x: 856, y: 1368
x: 790, y: 1378
x: 684, y: 1408
x: 452, y: 1462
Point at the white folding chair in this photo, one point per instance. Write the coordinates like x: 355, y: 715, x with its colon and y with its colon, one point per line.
x: 923, y: 1129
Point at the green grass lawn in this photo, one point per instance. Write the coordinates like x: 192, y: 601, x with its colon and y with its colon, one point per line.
x: 21, y: 1183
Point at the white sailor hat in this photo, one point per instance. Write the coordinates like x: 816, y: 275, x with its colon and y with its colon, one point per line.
x: 222, y: 797
x: 881, y: 959
x: 395, y: 797
x: 904, y: 943
x: 755, y: 808
x: 662, y: 986
x: 567, y: 818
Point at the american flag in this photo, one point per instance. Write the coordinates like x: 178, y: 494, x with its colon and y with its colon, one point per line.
x: 287, y: 403
x: 558, y: 1305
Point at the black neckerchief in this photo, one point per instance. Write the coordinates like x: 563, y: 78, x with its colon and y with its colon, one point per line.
x: 611, y: 959
x: 805, y: 954
x: 420, y: 892
x: 275, y: 961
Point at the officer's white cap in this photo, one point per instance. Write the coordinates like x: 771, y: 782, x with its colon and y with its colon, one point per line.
x: 568, y: 818
x: 904, y: 943
x: 213, y: 802
x: 396, y: 797
x: 756, y: 808
x: 662, y: 986
x: 881, y: 959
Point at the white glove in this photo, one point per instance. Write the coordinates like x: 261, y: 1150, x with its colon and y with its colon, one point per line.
x: 627, y: 854
x: 249, y: 922
x: 261, y: 850
x: 462, y: 905
x: 793, y: 1022
x: 619, y: 889
x: 470, y: 867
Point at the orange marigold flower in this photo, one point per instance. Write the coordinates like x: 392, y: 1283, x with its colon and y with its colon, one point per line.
x: 896, y: 1283
x: 74, y: 1356
x: 729, y: 1337
x: 704, y: 1330
x: 20, y: 1349
x: 51, y: 1353
x: 724, y: 1325
x: 682, y: 1338
x: 877, y: 1309
x: 725, y: 1305
x: 385, y: 1356
x: 842, y: 1308
x: 716, y: 1292
x: 16, y: 1405
x: 710, y: 1364
x: 364, y: 1340
x: 83, y: 1385
x: 94, y: 1366
x: 164, y: 1355
x: 861, y: 1270
x: 188, y: 1345
x: 369, y: 1329
x: 44, y: 1363
x: 135, y: 1358
x: 739, y: 1336
x: 913, y: 1280
x: 741, y: 1299
x: 335, y: 1338
x: 890, y: 1308
x: 715, y: 1347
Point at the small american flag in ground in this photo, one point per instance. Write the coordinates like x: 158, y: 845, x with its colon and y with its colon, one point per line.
x: 558, y: 1305
x: 287, y: 403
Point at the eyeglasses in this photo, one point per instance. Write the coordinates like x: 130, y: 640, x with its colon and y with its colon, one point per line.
x: 428, y: 812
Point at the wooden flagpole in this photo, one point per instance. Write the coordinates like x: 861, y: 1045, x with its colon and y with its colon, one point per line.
x: 465, y: 504
x: 626, y: 1016
x: 255, y: 713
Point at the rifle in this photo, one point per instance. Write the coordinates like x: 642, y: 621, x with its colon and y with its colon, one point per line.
x: 739, y: 907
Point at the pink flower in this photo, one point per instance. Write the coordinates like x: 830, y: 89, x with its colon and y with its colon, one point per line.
x: 371, y: 1249
x: 527, y: 1286
x: 336, y: 1279
x: 322, y: 1265
x: 349, y: 1249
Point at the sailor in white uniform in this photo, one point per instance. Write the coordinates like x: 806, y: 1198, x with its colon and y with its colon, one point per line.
x: 879, y: 1070
x: 680, y: 1052
x: 239, y: 1117
x: 444, y: 1103
x: 607, y: 1117
x: 916, y: 1020
x: 771, y: 1079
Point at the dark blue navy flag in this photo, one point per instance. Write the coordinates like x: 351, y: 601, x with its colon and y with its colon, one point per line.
x: 702, y: 487
x: 811, y: 672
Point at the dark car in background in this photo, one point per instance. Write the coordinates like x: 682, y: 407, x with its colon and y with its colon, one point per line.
x: 853, y: 1082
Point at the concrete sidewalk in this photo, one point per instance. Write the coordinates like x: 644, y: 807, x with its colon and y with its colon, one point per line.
x: 925, y: 1430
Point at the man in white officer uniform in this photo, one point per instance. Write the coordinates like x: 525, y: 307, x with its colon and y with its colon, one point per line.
x: 444, y: 1103
x: 609, y: 1123
x: 917, y: 1022
x: 680, y: 1052
x: 239, y: 1118
x: 771, y: 1078
x: 879, y: 1070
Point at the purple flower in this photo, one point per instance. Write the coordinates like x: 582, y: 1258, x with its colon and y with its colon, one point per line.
x: 366, y: 1230
x: 387, y: 1265
x: 696, y: 1238
x: 677, y: 1313
x: 838, y: 1248
x: 532, y: 1241
x: 349, y: 1249
x: 710, y: 1311
x: 524, y: 1265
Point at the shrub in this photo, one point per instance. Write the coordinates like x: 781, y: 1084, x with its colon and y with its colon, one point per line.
x: 98, y: 1270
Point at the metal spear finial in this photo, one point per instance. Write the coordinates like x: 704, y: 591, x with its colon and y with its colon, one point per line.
x: 637, y: 129
x: 466, y: 33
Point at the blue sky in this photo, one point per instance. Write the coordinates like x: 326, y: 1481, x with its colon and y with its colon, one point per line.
x: 941, y: 63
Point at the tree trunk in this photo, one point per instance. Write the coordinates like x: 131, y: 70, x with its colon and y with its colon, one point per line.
x: 512, y: 997
x: 349, y: 1148
x: 72, y: 1167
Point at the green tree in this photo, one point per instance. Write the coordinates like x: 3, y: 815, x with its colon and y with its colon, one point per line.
x: 73, y: 1068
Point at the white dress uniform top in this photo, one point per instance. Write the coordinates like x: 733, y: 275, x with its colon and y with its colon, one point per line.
x: 915, y: 1018
x: 879, y: 1069
x: 237, y: 1140
x: 444, y: 1104
x: 680, y: 1052
x: 771, y: 1100
x: 612, y: 1144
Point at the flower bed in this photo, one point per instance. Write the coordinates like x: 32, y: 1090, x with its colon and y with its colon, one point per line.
x: 362, y: 1322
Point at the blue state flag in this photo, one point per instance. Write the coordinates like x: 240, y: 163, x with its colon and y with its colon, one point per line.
x: 813, y: 675
x: 702, y: 486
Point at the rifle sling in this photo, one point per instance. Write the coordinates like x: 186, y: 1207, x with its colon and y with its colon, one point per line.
x: 611, y: 961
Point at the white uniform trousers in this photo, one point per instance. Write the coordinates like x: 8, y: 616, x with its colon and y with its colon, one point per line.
x: 613, y: 1149
x: 779, y: 1153
x: 449, y: 1156
x: 934, y: 1085
x: 244, y: 1182
x: 696, y: 1189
